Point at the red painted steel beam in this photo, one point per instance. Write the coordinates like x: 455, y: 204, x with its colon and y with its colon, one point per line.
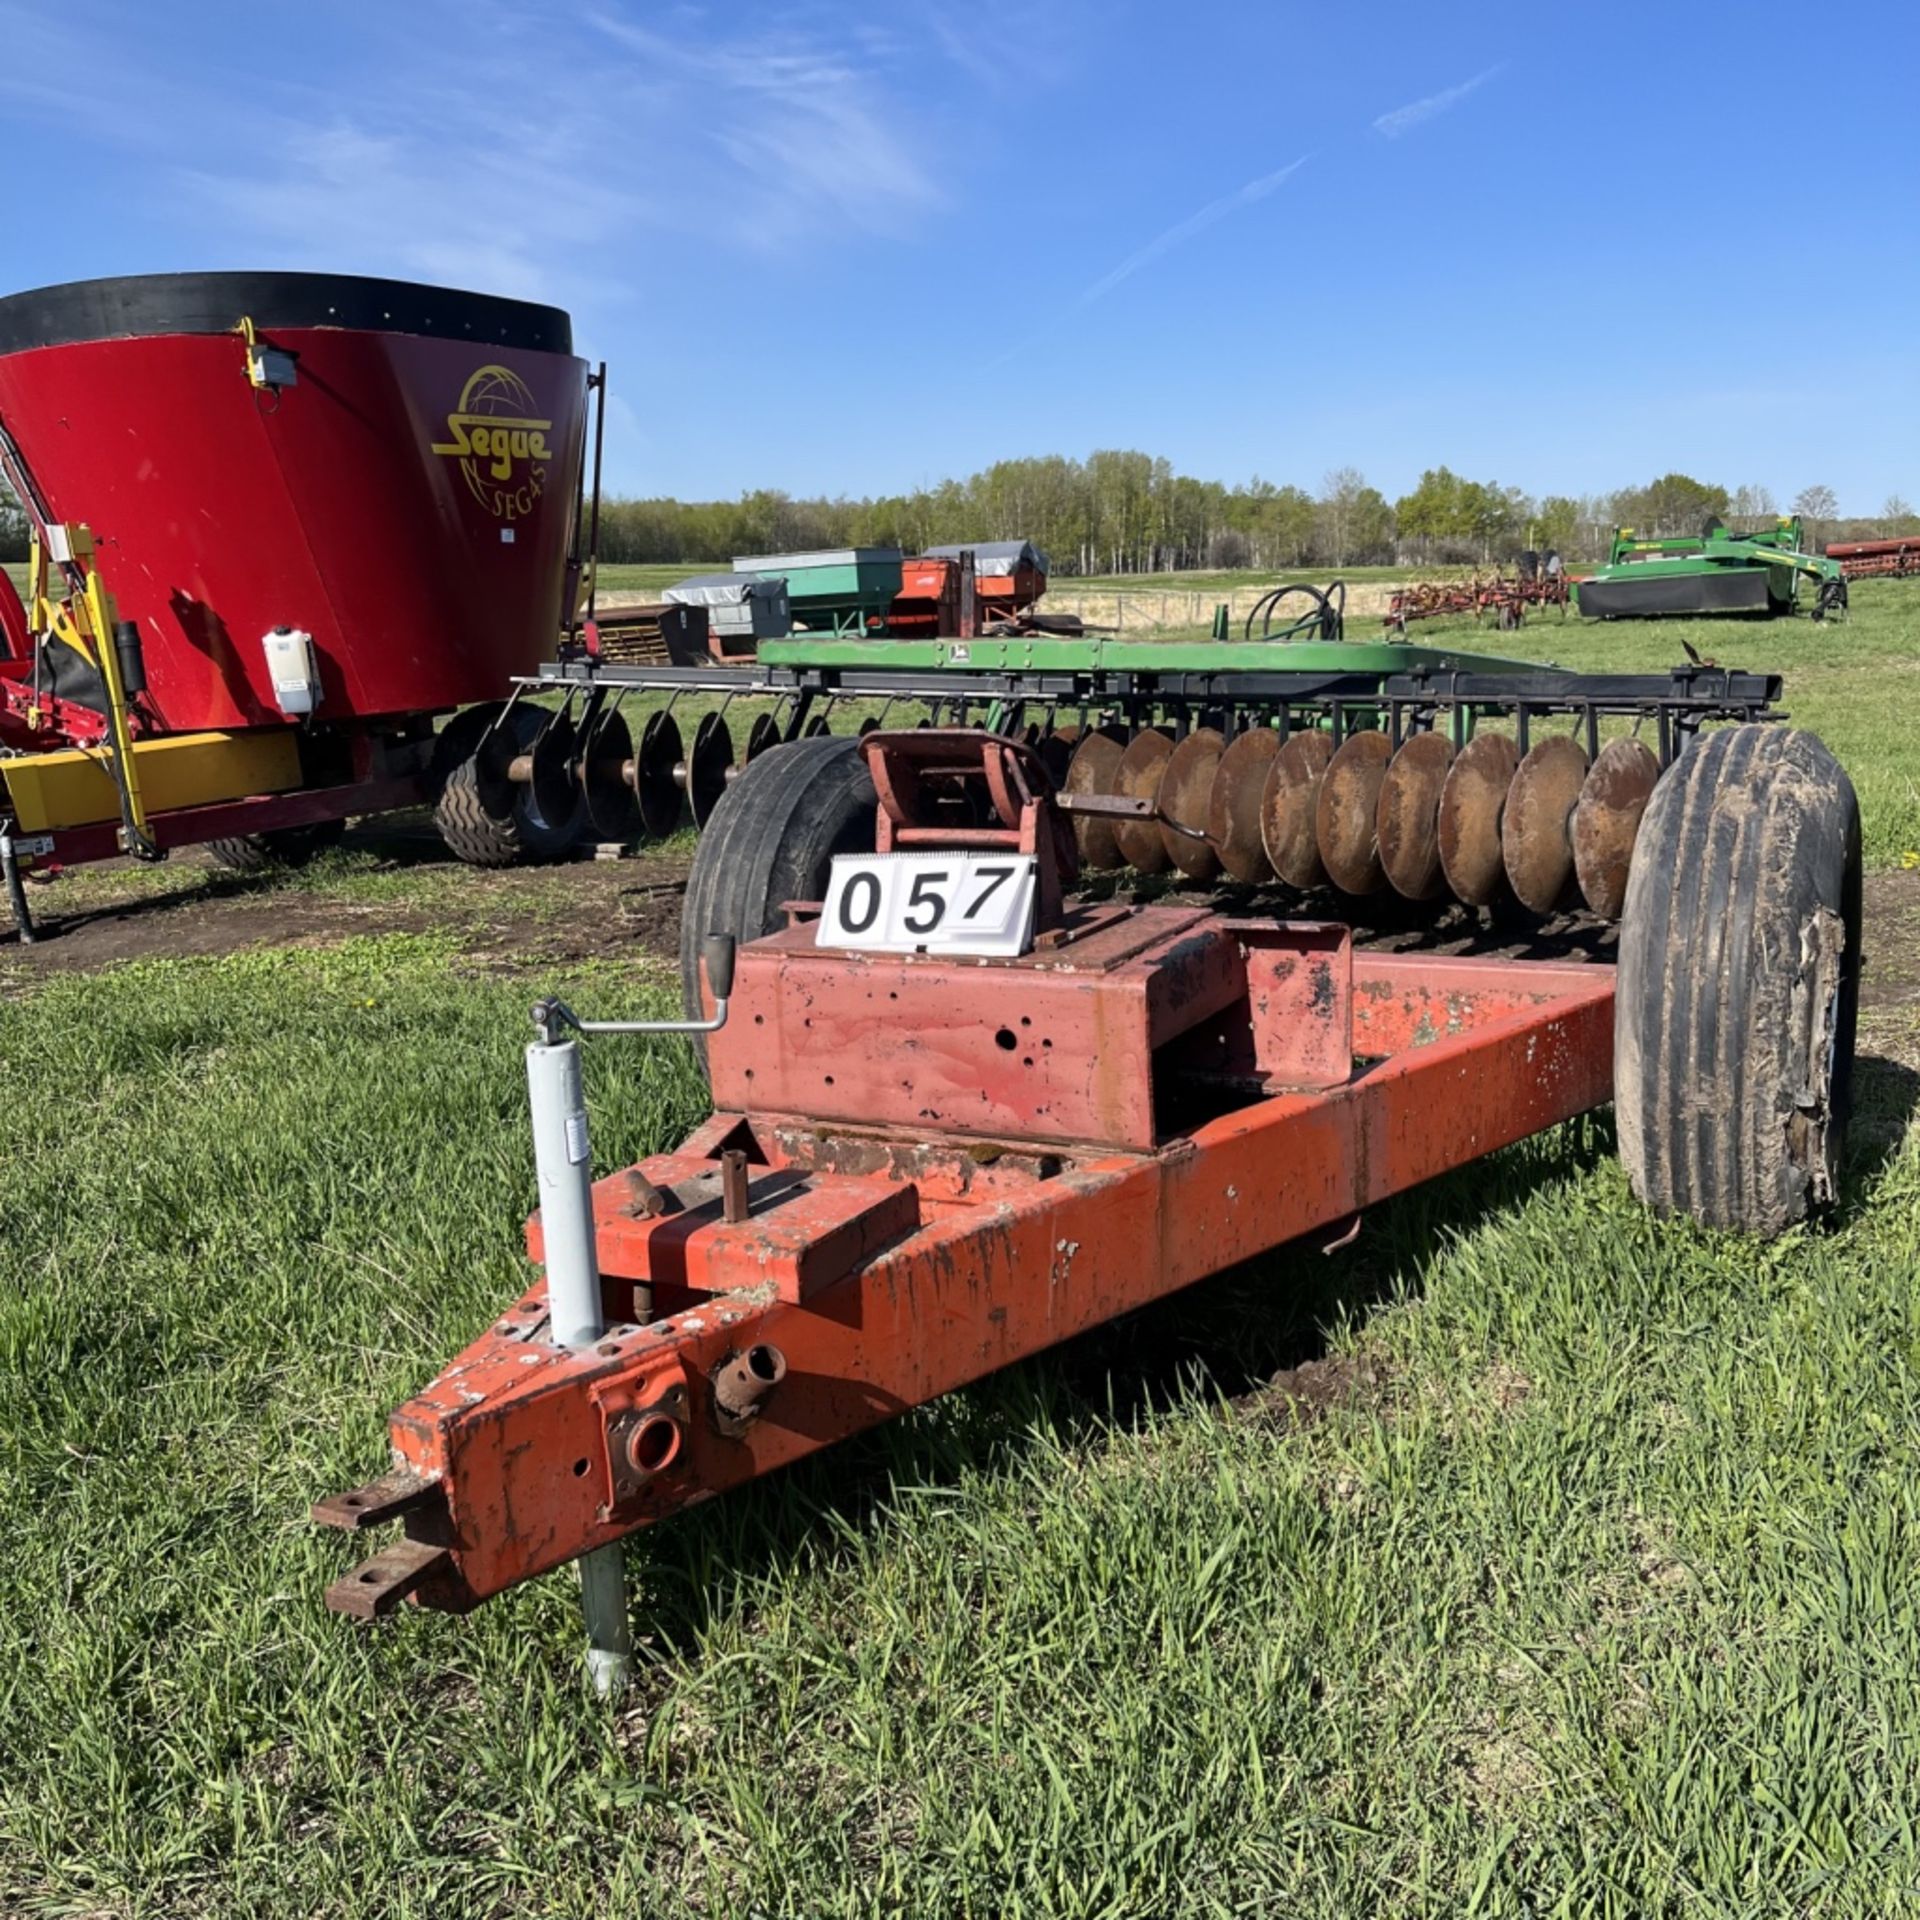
x: 229, y: 819
x: 883, y: 1268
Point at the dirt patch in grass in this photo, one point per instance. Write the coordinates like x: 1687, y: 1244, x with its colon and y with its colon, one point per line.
x: 388, y: 880
x: 1300, y: 1396
x: 1891, y: 909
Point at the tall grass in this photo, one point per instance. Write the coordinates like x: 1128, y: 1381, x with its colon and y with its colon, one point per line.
x: 1592, y: 1592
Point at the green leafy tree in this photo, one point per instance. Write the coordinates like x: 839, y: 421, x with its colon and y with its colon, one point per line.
x: 1557, y: 526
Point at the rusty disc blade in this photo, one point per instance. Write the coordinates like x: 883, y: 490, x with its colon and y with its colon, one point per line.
x: 1141, y: 767
x: 707, y: 770
x: 1343, y: 817
x: 1407, y: 822
x: 1606, y: 822
x: 1535, y: 842
x: 764, y: 733
x: 1095, y: 768
x: 1055, y: 748
x: 556, y: 756
x: 1468, y: 829
x: 1233, y: 811
x: 815, y: 727
x: 1287, y: 805
x: 1186, y: 792
x: 654, y: 786
x: 604, y: 754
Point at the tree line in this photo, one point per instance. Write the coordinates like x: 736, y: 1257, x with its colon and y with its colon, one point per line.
x: 1123, y: 512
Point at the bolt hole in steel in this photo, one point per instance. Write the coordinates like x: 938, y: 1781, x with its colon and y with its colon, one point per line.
x: 580, y: 1469
x: 1006, y: 1040
x: 655, y: 1443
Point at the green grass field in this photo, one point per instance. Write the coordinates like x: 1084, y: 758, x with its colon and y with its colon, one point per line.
x: 650, y: 579
x: 1581, y: 1583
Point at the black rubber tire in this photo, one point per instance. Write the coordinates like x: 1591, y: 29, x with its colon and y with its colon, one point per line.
x: 280, y: 847
x: 487, y: 821
x: 1738, y: 982
x: 772, y: 839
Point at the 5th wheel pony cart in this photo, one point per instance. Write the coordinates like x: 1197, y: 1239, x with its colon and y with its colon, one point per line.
x: 924, y: 1163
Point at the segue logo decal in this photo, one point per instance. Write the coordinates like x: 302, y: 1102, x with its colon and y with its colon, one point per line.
x: 501, y: 447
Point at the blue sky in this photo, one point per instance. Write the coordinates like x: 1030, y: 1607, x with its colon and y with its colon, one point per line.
x: 845, y: 247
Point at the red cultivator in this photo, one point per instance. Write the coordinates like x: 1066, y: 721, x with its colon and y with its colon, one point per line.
x: 924, y: 1163
x: 1877, y: 559
x: 1500, y: 597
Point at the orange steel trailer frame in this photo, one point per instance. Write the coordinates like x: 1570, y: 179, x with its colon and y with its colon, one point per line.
x: 922, y: 1168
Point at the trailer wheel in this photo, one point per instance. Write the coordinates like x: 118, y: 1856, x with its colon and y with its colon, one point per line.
x: 280, y: 847
x: 772, y: 839
x: 487, y: 818
x: 1739, y: 980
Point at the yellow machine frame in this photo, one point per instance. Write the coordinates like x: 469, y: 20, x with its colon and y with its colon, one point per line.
x: 85, y: 621
x: 86, y: 786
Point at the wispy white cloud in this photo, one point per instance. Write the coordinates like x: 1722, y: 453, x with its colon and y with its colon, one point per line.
x: 563, y: 146
x: 1183, y: 230
x: 1164, y: 243
x: 1417, y: 112
x: 806, y: 127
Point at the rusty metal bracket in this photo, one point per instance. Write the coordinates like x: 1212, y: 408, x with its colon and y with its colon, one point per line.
x: 378, y: 1586
x: 393, y: 1494
x: 644, y: 1424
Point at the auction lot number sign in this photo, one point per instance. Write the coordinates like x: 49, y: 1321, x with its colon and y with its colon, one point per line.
x: 972, y: 904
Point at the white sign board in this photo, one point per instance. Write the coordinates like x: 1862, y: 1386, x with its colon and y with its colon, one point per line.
x: 973, y: 904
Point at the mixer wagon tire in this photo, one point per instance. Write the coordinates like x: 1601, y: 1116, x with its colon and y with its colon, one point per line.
x: 489, y: 820
x: 772, y: 839
x: 281, y: 847
x: 1738, y: 982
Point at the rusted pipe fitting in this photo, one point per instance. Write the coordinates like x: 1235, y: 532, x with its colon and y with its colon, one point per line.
x: 742, y: 1383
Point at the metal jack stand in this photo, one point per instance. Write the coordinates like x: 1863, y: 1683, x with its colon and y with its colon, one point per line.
x: 564, y: 1163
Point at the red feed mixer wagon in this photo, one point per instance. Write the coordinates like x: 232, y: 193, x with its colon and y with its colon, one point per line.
x: 280, y: 523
